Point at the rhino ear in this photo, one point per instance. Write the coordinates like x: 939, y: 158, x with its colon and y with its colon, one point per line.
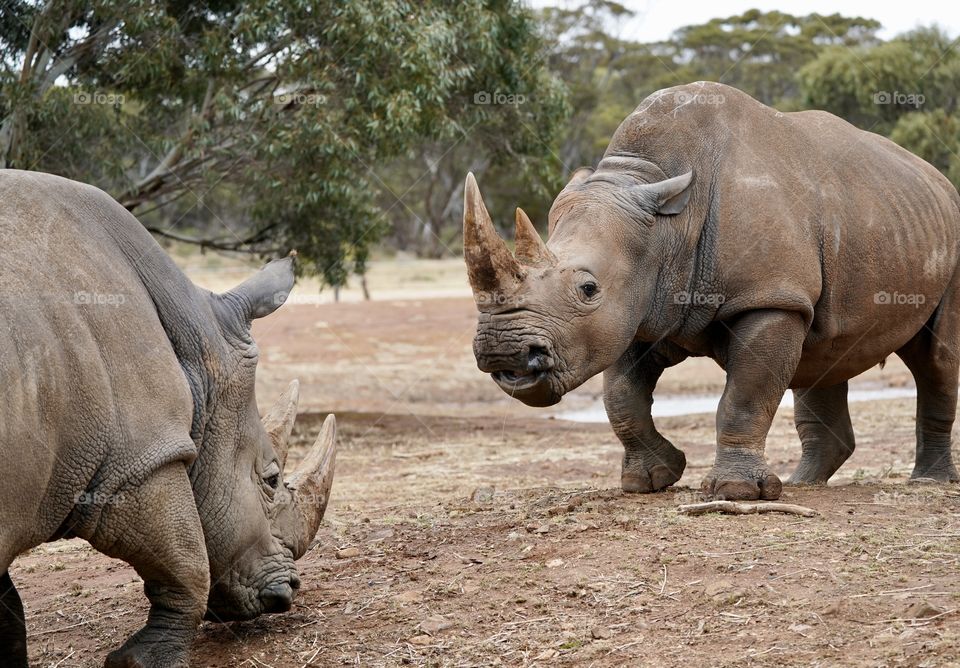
x: 264, y: 292
x: 672, y: 195
x: 580, y: 174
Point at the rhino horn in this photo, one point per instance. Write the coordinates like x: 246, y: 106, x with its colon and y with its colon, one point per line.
x: 278, y: 423
x: 490, y: 264
x: 311, y: 483
x: 530, y: 249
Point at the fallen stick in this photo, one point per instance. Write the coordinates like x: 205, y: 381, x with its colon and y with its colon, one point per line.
x: 734, y: 508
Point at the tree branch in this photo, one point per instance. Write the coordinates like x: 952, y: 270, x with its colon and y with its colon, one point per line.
x: 238, y: 246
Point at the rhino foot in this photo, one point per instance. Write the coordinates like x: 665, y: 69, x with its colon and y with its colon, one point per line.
x: 148, y: 655
x: 941, y: 474
x: 658, y: 470
x: 740, y: 475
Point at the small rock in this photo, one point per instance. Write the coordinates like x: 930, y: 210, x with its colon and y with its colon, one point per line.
x: 411, y: 596
x: 434, y: 624
x: 348, y: 553
x: 622, y: 519
x: 420, y: 640
x: 482, y: 495
x: 831, y: 609
x: 472, y: 559
x: 921, y: 610
x: 380, y: 535
x: 543, y: 528
x: 546, y: 655
x: 800, y: 628
x: 717, y: 587
x: 601, y: 633
x: 555, y: 563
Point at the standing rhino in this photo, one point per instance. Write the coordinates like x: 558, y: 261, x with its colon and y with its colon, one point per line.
x: 130, y: 420
x: 792, y: 248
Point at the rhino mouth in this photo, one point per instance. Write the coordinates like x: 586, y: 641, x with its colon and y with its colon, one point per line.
x: 512, y: 380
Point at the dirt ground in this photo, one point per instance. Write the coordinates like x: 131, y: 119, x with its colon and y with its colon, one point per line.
x: 468, y: 530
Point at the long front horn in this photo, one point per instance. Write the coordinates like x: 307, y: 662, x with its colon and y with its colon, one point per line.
x: 278, y: 422
x: 490, y: 265
x: 530, y: 248
x: 311, y: 483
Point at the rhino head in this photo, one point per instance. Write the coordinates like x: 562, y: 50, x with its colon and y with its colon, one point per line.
x: 257, y: 518
x: 553, y: 315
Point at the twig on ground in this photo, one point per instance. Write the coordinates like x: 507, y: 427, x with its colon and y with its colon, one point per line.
x: 734, y: 508
x: 72, y: 652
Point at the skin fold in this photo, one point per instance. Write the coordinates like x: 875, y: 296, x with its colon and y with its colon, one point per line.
x: 792, y: 248
x: 130, y: 420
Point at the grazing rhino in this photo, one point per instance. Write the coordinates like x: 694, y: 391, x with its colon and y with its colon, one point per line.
x: 792, y: 248
x: 130, y: 421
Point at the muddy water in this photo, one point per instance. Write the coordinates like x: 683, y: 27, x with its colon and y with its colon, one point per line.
x: 689, y: 404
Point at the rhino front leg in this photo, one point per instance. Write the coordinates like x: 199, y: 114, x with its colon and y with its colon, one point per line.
x: 826, y: 434
x: 156, y: 529
x: 13, y: 629
x: 762, y: 354
x: 650, y: 461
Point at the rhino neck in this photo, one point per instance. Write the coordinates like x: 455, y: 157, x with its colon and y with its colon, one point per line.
x: 183, y: 309
x: 686, y: 267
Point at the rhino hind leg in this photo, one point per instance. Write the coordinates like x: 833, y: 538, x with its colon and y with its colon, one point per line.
x: 13, y: 628
x: 156, y: 529
x: 826, y: 434
x: 933, y: 359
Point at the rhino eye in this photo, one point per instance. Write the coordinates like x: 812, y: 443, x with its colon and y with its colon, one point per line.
x: 272, y: 476
x: 589, y: 289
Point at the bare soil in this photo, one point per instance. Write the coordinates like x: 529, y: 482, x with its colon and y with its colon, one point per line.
x: 486, y: 533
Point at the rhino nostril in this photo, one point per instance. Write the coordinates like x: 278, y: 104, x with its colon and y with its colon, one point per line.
x: 537, y: 359
x: 277, y: 598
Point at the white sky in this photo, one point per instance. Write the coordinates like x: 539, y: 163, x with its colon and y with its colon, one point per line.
x: 656, y: 19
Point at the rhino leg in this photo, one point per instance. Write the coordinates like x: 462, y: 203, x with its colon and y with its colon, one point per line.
x: 13, y: 629
x: 933, y: 359
x: 826, y: 434
x: 650, y: 461
x: 761, y: 357
x: 156, y: 529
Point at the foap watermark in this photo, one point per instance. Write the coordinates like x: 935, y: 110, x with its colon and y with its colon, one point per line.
x: 98, y: 499
x: 914, y: 100
x: 699, y: 298
x: 914, y: 299
x: 498, y: 299
x: 687, y: 97
x: 99, y: 298
x: 301, y: 98
x: 96, y: 97
x: 496, y: 97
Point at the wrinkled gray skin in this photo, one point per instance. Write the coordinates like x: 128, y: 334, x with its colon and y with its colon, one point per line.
x: 129, y: 420
x: 792, y: 248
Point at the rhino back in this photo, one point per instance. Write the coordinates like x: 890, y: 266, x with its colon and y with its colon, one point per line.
x: 806, y: 212
x: 94, y: 395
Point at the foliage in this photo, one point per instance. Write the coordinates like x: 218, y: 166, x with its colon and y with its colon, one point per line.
x: 272, y: 114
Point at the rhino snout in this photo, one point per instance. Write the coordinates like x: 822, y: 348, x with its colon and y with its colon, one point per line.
x: 278, y: 597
